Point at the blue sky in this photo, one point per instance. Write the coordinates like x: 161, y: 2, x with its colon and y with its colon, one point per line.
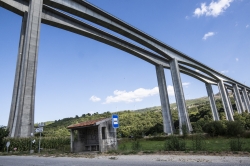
x: 77, y: 75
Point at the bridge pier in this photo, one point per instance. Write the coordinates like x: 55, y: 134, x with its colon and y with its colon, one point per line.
x: 229, y: 100
x: 179, y: 97
x: 236, y: 102
x: 168, y: 126
x: 248, y: 95
x: 243, y: 102
x: 21, y: 119
x: 15, y: 114
x: 225, y: 101
x: 245, y: 96
x: 212, y: 102
x: 238, y: 98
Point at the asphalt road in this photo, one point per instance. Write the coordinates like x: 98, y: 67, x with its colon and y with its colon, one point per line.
x: 136, y: 160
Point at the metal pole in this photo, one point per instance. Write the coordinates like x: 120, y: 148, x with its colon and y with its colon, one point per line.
x: 39, y: 142
x: 30, y: 144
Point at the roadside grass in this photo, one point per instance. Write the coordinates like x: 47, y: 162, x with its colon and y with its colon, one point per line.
x: 215, y: 145
x: 218, y: 144
x: 64, y: 150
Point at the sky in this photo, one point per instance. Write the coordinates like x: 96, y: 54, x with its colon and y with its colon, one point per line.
x: 77, y: 75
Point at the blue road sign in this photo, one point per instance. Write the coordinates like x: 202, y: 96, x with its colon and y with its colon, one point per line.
x: 115, y: 121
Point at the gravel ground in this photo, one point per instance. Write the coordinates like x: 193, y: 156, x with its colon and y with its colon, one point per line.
x: 186, y: 158
x: 123, y: 160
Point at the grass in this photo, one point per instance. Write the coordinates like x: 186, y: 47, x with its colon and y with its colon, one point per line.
x: 218, y: 144
x: 149, y: 146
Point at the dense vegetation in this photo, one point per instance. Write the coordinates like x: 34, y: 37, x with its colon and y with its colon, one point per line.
x: 47, y: 143
x: 147, y: 122
x: 3, y: 133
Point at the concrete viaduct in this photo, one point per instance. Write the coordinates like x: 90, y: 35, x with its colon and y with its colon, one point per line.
x: 53, y: 12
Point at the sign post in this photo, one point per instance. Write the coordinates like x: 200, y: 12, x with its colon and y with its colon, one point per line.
x: 115, y: 124
x: 31, y: 135
x: 40, y: 130
x: 7, y: 145
x: 115, y: 121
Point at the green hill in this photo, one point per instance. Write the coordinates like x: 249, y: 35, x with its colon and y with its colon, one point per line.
x: 144, y: 121
x: 189, y: 103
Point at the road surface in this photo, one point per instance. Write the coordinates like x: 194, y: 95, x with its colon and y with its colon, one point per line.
x: 124, y: 160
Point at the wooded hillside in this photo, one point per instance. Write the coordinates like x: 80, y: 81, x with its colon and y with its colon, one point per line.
x: 143, y: 122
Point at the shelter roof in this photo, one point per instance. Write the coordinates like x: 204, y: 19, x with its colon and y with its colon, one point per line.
x: 88, y: 123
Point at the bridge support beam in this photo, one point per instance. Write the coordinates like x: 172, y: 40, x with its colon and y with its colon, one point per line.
x: 15, y: 114
x: 212, y: 102
x: 21, y: 120
x: 243, y: 102
x: 230, y: 103
x: 245, y: 96
x: 238, y: 98
x: 179, y: 97
x: 225, y: 101
x: 168, y: 125
x: 236, y: 102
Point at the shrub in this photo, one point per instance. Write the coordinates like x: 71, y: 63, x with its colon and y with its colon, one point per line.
x: 3, y: 133
x: 235, y: 128
x: 175, y: 144
x: 184, y: 131
x: 215, y: 128
x: 23, y: 144
x: 197, y: 128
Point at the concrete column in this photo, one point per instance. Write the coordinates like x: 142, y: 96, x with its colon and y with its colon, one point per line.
x: 25, y: 100
x: 179, y: 96
x: 245, y: 96
x: 212, y: 102
x: 248, y: 94
x: 229, y: 100
x: 100, y: 141
x: 14, y: 114
x: 238, y: 98
x: 168, y: 126
x: 72, y: 140
x: 243, y: 102
x: 236, y: 102
x: 225, y: 101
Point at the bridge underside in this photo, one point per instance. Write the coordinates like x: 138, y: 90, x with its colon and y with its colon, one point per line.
x: 35, y: 12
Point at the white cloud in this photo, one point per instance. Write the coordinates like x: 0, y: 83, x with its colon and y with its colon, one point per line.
x: 132, y: 96
x: 209, y: 34
x: 213, y: 9
x: 237, y: 59
x: 247, y: 26
x: 224, y: 71
x: 94, y: 99
x: 138, y: 94
x: 170, y: 90
x: 185, y: 83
